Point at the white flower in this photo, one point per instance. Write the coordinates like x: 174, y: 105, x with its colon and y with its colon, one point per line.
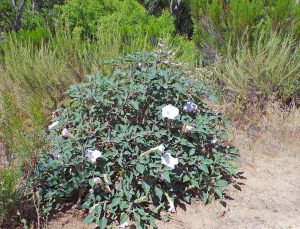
x: 187, y: 128
x: 124, y: 225
x: 172, y: 209
x: 170, y: 111
x: 56, y: 156
x: 97, y: 180
x: 161, y: 148
x: 53, y: 125
x: 92, y: 155
x: 169, y: 161
x: 66, y: 133
x: 214, y: 141
x: 91, y: 190
x: 190, y: 107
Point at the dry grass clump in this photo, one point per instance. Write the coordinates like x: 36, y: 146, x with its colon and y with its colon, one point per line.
x: 274, y: 130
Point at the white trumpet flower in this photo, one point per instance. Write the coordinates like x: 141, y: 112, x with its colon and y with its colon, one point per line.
x: 66, y: 133
x: 214, y: 141
x: 54, y: 124
x: 97, y: 180
x: 124, y: 225
x: 169, y: 161
x: 161, y: 148
x: 92, y: 155
x: 170, y: 112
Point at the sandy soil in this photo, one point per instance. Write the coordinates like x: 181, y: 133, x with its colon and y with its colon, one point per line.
x: 268, y: 193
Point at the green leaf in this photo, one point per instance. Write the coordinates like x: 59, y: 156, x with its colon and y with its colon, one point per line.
x: 186, y: 178
x: 89, y: 218
x: 195, y: 183
x: 91, y: 182
x: 222, y: 183
x: 123, y: 218
x: 115, y: 201
x: 137, y: 218
x: 218, y: 192
x: 140, y: 168
x: 166, y: 177
x: 123, y: 204
x: 134, y: 104
x: 146, y: 187
x: 204, y: 168
x: 158, y: 192
x: 103, y: 223
x: 204, y: 196
x: 165, y: 217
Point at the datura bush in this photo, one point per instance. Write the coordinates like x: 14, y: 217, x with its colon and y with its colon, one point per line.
x: 130, y: 146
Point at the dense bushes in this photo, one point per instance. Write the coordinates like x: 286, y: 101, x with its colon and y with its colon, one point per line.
x: 217, y: 23
x: 128, y: 18
x: 132, y: 144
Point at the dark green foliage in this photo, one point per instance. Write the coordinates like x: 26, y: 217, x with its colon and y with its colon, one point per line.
x: 121, y: 116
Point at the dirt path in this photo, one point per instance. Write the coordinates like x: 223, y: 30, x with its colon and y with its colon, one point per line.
x: 270, y: 191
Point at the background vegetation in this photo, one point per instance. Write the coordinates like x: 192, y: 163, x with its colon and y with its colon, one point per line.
x: 249, y: 51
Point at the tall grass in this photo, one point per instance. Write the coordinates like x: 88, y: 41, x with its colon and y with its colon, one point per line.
x: 268, y: 67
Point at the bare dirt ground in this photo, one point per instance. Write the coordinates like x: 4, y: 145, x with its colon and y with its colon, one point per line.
x: 269, y: 193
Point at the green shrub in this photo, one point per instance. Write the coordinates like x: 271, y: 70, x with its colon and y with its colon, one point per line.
x: 8, y: 193
x: 130, y: 18
x: 268, y: 68
x: 37, y: 36
x: 112, y: 145
x: 20, y: 128
x: 218, y: 23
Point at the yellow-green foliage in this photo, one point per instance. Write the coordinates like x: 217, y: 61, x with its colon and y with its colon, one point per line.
x: 218, y: 23
x: 20, y: 127
x: 8, y: 193
x: 128, y: 17
x: 270, y: 67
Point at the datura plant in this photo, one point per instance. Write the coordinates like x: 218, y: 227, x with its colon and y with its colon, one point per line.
x: 130, y: 146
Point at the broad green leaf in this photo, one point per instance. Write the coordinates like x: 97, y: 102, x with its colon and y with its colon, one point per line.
x: 103, y: 223
x: 158, y: 192
x: 218, y: 192
x: 135, y: 104
x: 115, y: 201
x: 166, y: 177
x: 89, y: 218
x: 204, y: 196
x: 140, y: 168
x: 146, y: 187
x: 195, y: 183
x: 123, y: 218
x: 186, y: 178
x: 222, y: 183
x: 204, y: 168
